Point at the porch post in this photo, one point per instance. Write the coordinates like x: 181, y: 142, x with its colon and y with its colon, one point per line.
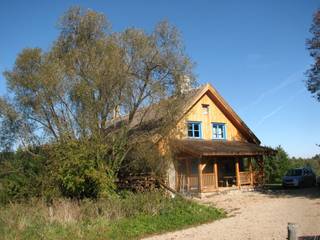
x: 250, y: 169
x: 238, y: 173
x: 188, y: 174
x: 215, y: 169
x: 200, y: 176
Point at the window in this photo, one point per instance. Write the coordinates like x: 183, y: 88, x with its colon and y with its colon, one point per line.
x: 205, y: 109
x: 219, y: 131
x: 194, y: 129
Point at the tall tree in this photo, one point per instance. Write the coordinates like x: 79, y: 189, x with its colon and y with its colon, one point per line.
x: 73, y: 90
x: 91, y: 79
x: 313, y: 45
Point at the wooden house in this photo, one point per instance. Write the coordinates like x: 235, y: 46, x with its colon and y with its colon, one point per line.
x: 213, y: 148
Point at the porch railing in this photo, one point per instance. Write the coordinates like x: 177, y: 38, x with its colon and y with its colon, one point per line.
x: 187, y: 183
x: 191, y: 182
x: 208, y: 179
x: 245, y: 178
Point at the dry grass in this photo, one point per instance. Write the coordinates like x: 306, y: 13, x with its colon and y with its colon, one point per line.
x: 135, y: 215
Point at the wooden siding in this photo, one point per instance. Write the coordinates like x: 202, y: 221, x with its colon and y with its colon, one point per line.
x: 215, y: 115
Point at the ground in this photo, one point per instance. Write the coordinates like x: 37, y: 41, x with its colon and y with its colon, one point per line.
x: 258, y: 215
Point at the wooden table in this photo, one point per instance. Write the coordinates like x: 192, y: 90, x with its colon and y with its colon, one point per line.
x: 227, y: 179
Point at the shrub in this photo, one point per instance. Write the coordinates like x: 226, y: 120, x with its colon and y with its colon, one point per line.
x: 276, y: 166
x: 73, y: 169
x: 81, y: 169
x: 21, y: 176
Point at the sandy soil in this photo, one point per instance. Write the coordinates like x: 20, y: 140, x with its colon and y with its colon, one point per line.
x: 258, y: 215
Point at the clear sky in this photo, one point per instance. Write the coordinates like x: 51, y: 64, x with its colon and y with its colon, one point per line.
x: 253, y: 52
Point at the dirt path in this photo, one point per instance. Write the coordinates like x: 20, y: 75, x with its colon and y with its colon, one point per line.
x: 255, y: 215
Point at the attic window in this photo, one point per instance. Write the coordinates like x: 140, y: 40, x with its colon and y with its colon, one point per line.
x: 194, y: 129
x: 219, y: 131
x: 205, y: 109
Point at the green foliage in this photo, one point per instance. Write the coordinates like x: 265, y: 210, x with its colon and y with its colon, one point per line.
x: 9, y: 125
x: 313, y: 163
x: 85, y: 168
x: 177, y: 214
x: 74, y: 169
x: 313, y: 45
x: 131, y: 217
x: 81, y: 102
x: 75, y: 89
x: 21, y: 176
x: 276, y: 166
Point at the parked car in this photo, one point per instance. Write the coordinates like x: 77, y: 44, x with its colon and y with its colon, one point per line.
x: 299, y: 177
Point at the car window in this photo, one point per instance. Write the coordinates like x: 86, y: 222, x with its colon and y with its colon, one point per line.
x: 294, y: 172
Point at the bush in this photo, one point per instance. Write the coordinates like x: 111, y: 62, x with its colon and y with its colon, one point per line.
x: 73, y: 169
x: 276, y: 166
x: 81, y: 169
x: 21, y: 176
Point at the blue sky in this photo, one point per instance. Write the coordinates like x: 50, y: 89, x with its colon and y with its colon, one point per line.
x: 253, y: 52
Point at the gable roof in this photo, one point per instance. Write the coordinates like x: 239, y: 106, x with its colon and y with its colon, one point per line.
x: 151, y: 114
x: 224, y: 107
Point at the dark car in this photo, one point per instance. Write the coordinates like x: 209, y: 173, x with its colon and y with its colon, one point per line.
x: 299, y: 177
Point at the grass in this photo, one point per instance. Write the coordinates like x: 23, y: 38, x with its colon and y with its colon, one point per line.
x: 130, y: 217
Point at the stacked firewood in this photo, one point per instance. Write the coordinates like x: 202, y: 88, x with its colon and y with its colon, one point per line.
x: 138, y: 183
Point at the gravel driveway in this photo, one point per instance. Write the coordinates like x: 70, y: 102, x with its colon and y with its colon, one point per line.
x: 258, y: 215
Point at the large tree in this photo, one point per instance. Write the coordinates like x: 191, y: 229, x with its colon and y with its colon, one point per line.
x: 313, y: 45
x: 72, y: 90
x: 91, y: 79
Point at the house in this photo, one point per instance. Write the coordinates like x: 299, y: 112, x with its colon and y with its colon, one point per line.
x: 212, y: 147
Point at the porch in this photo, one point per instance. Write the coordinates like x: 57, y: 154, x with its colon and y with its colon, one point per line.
x: 210, y: 174
x: 233, y: 165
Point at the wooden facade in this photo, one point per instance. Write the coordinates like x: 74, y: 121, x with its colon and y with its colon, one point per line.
x: 205, y: 164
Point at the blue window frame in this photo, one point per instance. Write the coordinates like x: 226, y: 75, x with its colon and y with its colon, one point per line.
x: 219, y: 131
x: 194, y: 130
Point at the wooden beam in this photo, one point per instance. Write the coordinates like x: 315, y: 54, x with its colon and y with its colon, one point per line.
x: 251, y: 172
x: 238, y: 173
x: 203, y: 166
x: 200, y: 176
x: 215, y: 170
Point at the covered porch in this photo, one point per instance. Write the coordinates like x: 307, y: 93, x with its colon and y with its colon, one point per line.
x: 206, y: 166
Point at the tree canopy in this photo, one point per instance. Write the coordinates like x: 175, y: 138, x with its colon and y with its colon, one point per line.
x: 66, y: 99
x: 73, y: 89
x: 313, y: 45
